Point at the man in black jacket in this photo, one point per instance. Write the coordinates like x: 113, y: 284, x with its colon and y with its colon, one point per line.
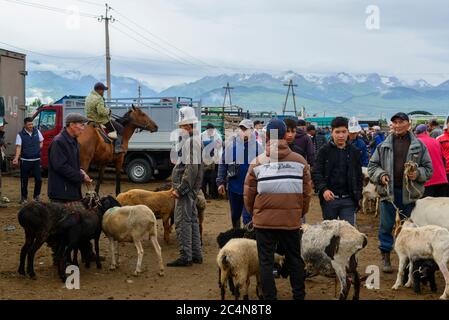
x: 337, y: 175
x: 65, y: 175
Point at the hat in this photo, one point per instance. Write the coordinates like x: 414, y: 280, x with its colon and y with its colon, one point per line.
x: 248, y: 124
x: 400, y: 115
x: 279, y: 125
x: 100, y: 85
x: 421, y: 129
x: 75, y: 118
x: 301, y: 122
x: 210, y: 126
x: 354, y: 126
x: 187, y: 116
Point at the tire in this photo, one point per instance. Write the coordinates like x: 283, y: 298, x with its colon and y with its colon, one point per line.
x: 139, y: 170
x: 163, y: 174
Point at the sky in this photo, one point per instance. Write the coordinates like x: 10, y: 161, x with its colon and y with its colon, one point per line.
x: 167, y: 42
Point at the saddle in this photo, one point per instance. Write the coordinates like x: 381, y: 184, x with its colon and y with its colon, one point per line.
x: 102, y: 131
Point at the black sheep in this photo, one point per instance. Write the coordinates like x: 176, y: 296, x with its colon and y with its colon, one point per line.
x: 423, y: 272
x: 43, y: 223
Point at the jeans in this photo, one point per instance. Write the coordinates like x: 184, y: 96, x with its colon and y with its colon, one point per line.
x: 290, y: 240
x: 344, y: 209
x: 27, y: 169
x: 387, y: 219
x: 238, y: 209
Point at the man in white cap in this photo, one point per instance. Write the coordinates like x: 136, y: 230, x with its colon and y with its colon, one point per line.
x: 232, y: 170
x: 187, y: 179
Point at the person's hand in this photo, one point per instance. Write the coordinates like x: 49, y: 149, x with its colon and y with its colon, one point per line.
x: 413, y: 175
x: 385, y: 179
x: 174, y: 194
x: 222, y: 190
x: 328, y: 195
x: 15, y: 161
x: 87, y: 179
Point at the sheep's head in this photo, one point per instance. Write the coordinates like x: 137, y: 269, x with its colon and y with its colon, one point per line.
x: 107, y: 203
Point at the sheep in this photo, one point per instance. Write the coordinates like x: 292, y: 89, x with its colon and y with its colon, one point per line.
x: 163, y: 206
x: 370, y: 197
x: 423, y: 271
x: 332, y: 245
x: 238, y: 261
x: 131, y: 224
x: 43, y: 223
x: 327, y: 248
x: 431, y: 211
x: 428, y: 242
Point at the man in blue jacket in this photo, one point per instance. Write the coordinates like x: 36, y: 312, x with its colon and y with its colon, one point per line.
x: 65, y: 175
x: 234, y: 165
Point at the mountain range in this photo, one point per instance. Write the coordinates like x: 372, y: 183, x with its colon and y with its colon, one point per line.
x: 367, y: 95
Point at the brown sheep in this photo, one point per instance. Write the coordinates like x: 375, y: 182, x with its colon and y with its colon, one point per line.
x: 163, y: 206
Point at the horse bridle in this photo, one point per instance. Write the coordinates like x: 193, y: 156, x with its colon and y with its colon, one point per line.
x: 127, y: 118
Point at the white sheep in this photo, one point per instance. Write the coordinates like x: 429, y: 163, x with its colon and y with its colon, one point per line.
x: 427, y: 242
x: 332, y: 245
x: 370, y: 196
x: 132, y: 224
x: 237, y: 262
x: 431, y: 211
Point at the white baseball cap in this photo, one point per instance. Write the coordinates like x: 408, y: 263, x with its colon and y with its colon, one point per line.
x: 247, y: 123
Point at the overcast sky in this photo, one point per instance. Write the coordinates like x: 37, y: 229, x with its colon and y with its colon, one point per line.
x: 314, y: 36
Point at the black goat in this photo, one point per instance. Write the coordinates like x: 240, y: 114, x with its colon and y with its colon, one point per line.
x: 423, y: 272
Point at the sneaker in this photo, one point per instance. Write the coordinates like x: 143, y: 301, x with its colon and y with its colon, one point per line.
x: 36, y: 199
x: 386, y: 263
x: 180, y: 262
x: 23, y: 201
x: 197, y: 260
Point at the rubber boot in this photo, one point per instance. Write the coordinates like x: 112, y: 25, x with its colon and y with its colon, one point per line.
x: 386, y: 263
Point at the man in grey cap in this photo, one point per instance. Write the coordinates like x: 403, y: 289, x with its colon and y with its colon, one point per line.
x: 96, y: 111
x: 65, y: 175
x: 386, y: 171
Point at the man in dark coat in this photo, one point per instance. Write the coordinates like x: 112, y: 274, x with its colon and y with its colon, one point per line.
x: 65, y: 175
x: 303, y: 141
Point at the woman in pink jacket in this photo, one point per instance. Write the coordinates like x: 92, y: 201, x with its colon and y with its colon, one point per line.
x: 437, y: 186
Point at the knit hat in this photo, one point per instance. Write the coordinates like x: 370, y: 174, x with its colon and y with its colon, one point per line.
x: 279, y: 125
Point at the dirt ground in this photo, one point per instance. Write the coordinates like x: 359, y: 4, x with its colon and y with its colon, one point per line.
x: 196, y: 282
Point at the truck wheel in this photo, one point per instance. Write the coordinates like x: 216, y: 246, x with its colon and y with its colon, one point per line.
x: 162, y: 175
x: 139, y: 171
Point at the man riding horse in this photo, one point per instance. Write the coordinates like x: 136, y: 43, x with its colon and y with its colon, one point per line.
x: 97, y: 112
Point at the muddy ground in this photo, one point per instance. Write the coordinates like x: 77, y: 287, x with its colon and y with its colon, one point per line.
x: 196, y: 282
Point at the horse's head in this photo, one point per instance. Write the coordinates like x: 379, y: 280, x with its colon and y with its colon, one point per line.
x: 136, y: 117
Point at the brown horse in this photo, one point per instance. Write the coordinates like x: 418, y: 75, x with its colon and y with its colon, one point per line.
x: 94, y: 150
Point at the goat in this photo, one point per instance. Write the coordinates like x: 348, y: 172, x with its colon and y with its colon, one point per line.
x: 423, y: 272
x: 427, y: 242
x: 370, y: 197
x: 431, y: 211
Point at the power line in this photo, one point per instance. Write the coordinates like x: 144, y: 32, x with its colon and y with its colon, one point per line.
x: 145, y: 44
x: 48, y: 55
x: 50, y: 8
x: 167, y: 52
x: 91, y: 3
x: 161, y: 39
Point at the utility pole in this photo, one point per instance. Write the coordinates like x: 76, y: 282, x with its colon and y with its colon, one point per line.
x: 139, y: 92
x: 227, y: 92
x: 290, y: 86
x: 106, y: 20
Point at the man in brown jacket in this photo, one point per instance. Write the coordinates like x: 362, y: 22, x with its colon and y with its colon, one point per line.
x: 277, y: 194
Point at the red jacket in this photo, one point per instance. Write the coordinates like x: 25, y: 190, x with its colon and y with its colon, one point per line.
x: 436, y: 155
x: 444, y: 142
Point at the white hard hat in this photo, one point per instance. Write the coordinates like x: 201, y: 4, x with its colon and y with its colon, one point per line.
x: 187, y: 116
x: 354, y: 126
